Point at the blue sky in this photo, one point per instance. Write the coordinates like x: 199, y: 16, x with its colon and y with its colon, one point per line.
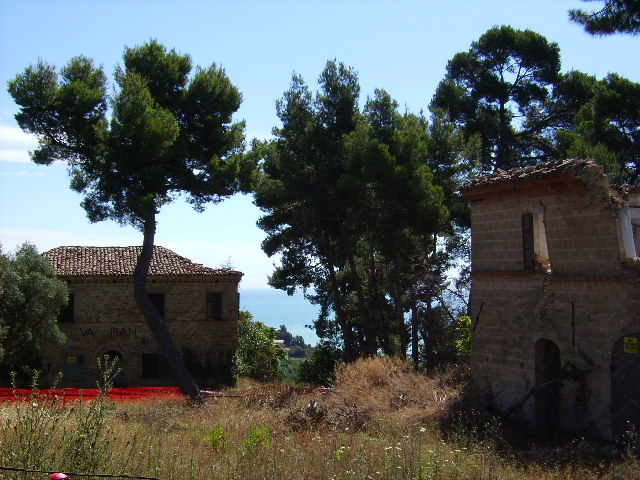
x: 401, y: 46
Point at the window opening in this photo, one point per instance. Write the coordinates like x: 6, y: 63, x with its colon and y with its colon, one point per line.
x: 630, y: 222
x: 158, y: 301
x: 214, y: 307
x: 534, y: 243
x: 154, y: 365
x: 66, y: 312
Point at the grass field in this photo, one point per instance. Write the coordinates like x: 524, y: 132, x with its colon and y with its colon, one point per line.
x: 380, y: 421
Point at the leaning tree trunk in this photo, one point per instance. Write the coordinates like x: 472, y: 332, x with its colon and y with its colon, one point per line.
x: 157, y: 326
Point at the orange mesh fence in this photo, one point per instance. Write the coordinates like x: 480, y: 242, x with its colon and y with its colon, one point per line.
x: 72, y: 394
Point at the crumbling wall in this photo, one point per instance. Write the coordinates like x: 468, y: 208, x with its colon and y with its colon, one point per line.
x: 584, y: 304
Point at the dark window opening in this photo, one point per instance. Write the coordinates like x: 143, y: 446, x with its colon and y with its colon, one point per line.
x: 158, y: 301
x: 66, y: 312
x: 154, y: 365
x: 214, y: 307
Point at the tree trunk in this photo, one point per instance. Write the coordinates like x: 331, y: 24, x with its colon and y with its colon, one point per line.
x: 380, y: 327
x: 370, y: 346
x: 502, y: 159
x: 403, y: 334
x: 415, y: 356
x: 350, y: 353
x: 157, y: 326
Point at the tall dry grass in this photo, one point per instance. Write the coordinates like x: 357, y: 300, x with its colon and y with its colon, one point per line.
x: 380, y: 421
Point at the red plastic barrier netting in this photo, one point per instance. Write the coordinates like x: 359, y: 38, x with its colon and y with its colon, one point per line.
x: 71, y: 394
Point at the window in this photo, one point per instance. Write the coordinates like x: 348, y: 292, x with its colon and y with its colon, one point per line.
x: 630, y: 222
x: 214, y: 307
x: 66, y: 312
x: 73, y: 371
x: 158, y: 301
x: 534, y: 243
x: 154, y: 365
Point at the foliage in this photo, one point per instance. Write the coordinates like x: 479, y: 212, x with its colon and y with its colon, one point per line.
x: 507, y: 97
x: 616, y: 16
x: 259, y: 437
x: 169, y: 133
x: 348, y: 198
x: 402, y: 438
x: 30, y: 299
x: 43, y: 434
x: 319, y: 366
x: 500, y: 90
x: 607, y: 127
x: 217, y: 438
x: 464, y: 341
x: 257, y: 356
x: 295, y: 346
x: 290, y: 368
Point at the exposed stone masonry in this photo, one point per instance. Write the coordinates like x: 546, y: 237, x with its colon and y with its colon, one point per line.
x: 106, y: 318
x: 583, y: 306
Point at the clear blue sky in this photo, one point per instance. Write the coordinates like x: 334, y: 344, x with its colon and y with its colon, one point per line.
x: 401, y: 46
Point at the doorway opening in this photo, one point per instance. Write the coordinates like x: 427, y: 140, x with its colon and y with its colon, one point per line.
x: 547, y: 396
x: 625, y: 387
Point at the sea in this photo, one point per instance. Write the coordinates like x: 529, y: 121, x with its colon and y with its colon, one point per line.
x: 274, y: 308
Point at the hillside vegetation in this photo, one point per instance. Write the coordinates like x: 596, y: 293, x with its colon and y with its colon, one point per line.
x: 379, y: 421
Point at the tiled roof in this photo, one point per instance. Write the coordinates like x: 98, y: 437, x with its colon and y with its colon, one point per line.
x: 121, y: 261
x: 579, y: 168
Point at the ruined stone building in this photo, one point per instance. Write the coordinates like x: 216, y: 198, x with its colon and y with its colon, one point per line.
x: 555, y: 299
x: 200, y: 306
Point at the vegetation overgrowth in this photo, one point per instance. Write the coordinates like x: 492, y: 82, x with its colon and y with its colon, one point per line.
x: 380, y: 421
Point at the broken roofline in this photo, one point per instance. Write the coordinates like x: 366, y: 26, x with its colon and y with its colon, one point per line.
x: 550, y: 174
x: 560, y: 177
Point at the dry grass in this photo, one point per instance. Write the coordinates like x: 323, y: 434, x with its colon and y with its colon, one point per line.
x: 380, y: 421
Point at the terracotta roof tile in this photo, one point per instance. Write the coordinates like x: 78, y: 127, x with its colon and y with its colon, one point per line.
x: 121, y: 261
x: 579, y: 168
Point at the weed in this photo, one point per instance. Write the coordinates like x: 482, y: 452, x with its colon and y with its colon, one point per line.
x: 399, y: 438
x: 259, y: 437
x: 217, y: 438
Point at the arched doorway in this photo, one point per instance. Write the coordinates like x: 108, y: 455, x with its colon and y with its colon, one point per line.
x: 625, y: 386
x: 547, y: 396
x: 118, y: 380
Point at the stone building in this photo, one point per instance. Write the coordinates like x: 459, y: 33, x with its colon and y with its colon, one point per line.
x: 200, y: 306
x: 555, y: 298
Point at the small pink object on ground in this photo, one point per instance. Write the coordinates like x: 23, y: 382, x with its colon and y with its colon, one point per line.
x: 58, y: 476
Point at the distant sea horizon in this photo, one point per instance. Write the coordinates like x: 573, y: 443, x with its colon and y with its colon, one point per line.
x: 274, y: 308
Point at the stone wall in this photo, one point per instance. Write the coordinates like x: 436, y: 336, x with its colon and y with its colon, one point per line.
x: 585, y: 303
x: 106, y: 318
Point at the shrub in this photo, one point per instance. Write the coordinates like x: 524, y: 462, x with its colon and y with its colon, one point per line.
x: 318, y: 368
